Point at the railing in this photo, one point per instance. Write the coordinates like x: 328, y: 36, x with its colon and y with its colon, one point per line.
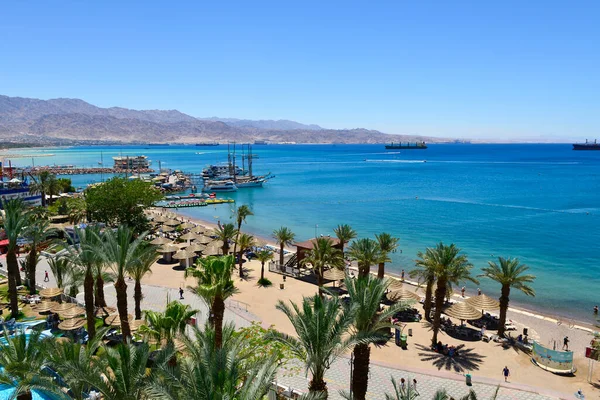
x: 236, y: 304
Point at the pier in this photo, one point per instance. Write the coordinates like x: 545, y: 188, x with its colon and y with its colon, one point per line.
x: 72, y: 170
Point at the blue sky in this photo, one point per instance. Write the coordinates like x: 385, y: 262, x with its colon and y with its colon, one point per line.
x: 480, y: 69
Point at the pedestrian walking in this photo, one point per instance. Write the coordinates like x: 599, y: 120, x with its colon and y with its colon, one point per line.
x: 462, y: 291
x: 402, y: 384
x: 506, y: 373
x: 478, y: 292
x: 566, y: 343
x: 180, y: 294
x: 46, y: 277
x: 415, y: 385
x: 402, y: 275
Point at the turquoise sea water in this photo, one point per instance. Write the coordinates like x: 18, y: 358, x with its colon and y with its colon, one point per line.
x: 540, y: 203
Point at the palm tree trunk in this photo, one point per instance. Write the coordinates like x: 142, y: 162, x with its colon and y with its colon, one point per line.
x: 262, y: 271
x: 43, y: 199
x: 320, y: 280
x: 360, y: 376
x: 363, y: 271
x: 25, y: 396
x: 121, y: 289
x: 240, y: 262
x: 504, y: 298
x: 218, y: 311
x: 317, y: 385
x: 225, y: 248
x: 100, y: 300
x: 12, y: 266
x: 237, y: 237
x: 381, y: 271
x: 137, y: 297
x: 18, y: 270
x: 427, y: 302
x: 440, y: 296
x: 31, y: 267
x: 281, y: 256
x: 88, y: 296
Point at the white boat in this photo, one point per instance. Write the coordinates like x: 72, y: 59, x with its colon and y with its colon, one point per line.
x: 249, y: 183
x: 219, y: 186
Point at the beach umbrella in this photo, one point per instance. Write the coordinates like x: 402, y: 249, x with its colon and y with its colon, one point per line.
x: 187, y: 225
x: 200, y: 230
x: 45, y: 306
x: 403, y: 295
x: 212, y: 250
x: 58, y: 308
x: 171, y: 222
x: 160, y: 219
x: 102, y: 312
x: 136, y: 324
x: 169, y: 248
x: 188, y: 236
x: 334, y: 274
x: 115, y: 319
x: 217, y: 243
x: 184, y: 254
x: 483, y: 302
x: 462, y: 311
x: 71, y: 324
x: 72, y: 312
x: 395, y: 284
x: 51, y: 292
x: 203, y: 239
x: 196, y: 247
x: 167, y: 229
x: 159, y: 241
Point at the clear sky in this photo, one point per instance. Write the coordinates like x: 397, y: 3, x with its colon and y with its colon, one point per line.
x: 488, y: 69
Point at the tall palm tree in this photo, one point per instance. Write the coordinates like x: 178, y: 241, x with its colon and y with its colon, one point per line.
x: 244, y: 241
x: 212, y: 372
x: 85, y: 257
x: 451, y: 267
x: 425, y: 274
x: 138, y: 270
x: 263, y: 256
x: 214, y: 286
x: 101, y: 276
x: 52, y: 187
x: 369, y: 324
x: 345, y: 234
x: 387, y: 244
x: 166, y: 325
x: 16, y: 219
x: 37, y: 232
x: 241, y: 213
x: 22, y: 358
x: 365, y: 252
x: 225, y: 233
x: 284, y: 237
x: 321, y: 326
x: 509, y: 273
x: 122, y: 252
x: 40, y: 185
x: 322, y: 255
x: 60, y: 270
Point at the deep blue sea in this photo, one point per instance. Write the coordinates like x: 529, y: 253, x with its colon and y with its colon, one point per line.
x: 540, y: 203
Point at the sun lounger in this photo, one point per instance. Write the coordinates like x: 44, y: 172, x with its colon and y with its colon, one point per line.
x: 487, y: 337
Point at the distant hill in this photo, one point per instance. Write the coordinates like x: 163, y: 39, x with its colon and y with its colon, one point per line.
x: 28, y: 120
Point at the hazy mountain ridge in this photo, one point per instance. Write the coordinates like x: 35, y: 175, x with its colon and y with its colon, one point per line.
x: 47, y: 121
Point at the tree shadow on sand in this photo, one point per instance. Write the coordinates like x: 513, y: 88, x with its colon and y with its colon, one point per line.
x: 466, y: 359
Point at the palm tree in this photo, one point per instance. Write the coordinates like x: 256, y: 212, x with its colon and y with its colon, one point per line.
x: 263, y: 256
x: 225, y: 233
x: 245, y: 241
x: 322, y: 255
x: 122, y: 252
x: 212, y: 372
x: 166, y: 325
x: 214, y: 286
x: 85, y: 257
x: 52, y: 188
x: 137, y: 271
x: 60, y: 270
x: 22, y: 358
x: 365, y: 252
x: 425, y: 273
x: 345, y: 234
x: 16, y: 218
x: 241, y: 213
x: 37, y: 232
x: 369, y: 324
x: 510, y: 274
x: 284, y: 237
x: 101, y: 276
x: 387, y: 244
x: 451, y: 267
x: 40, y: 185
x: 321, y: 327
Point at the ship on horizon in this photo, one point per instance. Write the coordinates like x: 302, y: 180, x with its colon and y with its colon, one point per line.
x: 207, y: 144
x: 586, y: 146
x: 406, y: 146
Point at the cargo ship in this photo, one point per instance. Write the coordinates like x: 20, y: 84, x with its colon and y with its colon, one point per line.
x: 207, y: 144
x: 406, y: 146
x: 586, y: 146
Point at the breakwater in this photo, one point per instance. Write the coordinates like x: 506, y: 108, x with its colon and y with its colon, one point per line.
x: 72, y: 170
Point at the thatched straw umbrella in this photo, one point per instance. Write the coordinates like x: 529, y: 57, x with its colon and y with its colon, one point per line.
x: 44, y: 306
x: 200, y: 230
x: 159, y: 241
x: 167, y: 252
x: 184, y: 257
x: 171, y: 222
x: 395, y: 284
x: 62, y: 307
x: 462, y: 311
x: 72, y: 312
x: 203, y: 239
x: 189, y: 237
x: 72, y: 324
x: 115, y: 319
x: 196, y: 247
x: 187, y: 225
x: 136, y: 324
x: 160, y: 219
x: 403, y: 295
x: 483, y: 302
x: 51, y: 292
x: 103, y: 312
x: 167, y: 229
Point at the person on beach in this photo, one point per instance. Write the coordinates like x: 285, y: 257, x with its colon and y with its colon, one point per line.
x: 595, y: 309
x: 402, y: 383
x: 46, y: 277
x: 566, y: 343
x: 415, y: 385
x: 506, y: 373
x: 180, y: 293
x: 462, y: 291
x: 478, y: 292
x: 402, y: 275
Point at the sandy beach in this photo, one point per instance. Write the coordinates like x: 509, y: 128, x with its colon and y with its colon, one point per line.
x: 482, y: 360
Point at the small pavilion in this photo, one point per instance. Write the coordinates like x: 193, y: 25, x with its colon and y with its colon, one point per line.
x: 303, y: 248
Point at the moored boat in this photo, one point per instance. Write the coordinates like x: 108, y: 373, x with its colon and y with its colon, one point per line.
x: 219, y: 186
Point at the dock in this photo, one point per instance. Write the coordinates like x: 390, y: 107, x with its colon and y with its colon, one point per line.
x: 193, y: 203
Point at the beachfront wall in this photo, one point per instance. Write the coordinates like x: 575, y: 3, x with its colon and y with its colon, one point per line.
x: 552, y: 360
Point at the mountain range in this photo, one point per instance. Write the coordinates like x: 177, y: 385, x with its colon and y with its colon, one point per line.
x: 27, y: 120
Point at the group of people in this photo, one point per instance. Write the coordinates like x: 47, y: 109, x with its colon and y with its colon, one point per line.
x: 413, y: 386
x: 446, y: 350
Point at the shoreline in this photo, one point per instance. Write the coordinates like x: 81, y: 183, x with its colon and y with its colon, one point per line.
x: 516, y: 307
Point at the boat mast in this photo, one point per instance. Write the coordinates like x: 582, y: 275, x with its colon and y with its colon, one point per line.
x: 250, y: 156
x: 233, y: 158
x: 101, y: 167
